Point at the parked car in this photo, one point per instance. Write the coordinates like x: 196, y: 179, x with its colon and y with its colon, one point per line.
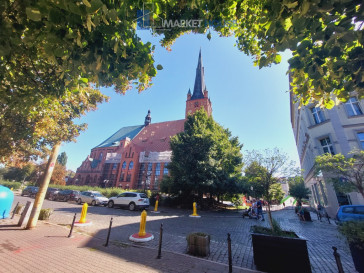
x: 132, y: 200
x: 66, y: 195
x: 31, y: 191
x: 51, y: 192
x: 92, y: 197
x: 350, y: 213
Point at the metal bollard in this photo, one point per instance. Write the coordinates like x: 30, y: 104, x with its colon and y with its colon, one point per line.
x: 160, y: 242
x: 229, y: 254
x: 338, y: 260
x: 108, y: 234
x: 15, y: 210
x: 73, y: 223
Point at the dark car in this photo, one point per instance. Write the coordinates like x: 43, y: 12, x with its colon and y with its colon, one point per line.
x: 66, y: 195
x: 51, y: 192
x: 30, y: 191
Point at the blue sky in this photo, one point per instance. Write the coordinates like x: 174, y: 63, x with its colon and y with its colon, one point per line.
x: 253, y: 103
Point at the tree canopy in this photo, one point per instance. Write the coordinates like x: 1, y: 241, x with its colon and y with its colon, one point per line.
x: 205, y: 159
x: 345, y: 172
x: 297, y: 187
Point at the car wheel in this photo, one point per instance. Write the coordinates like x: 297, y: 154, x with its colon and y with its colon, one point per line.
x: 50, y: 198
x: 132, y: 206
x: 66, y: 199
x: 79, y: 201
x: 93, y: 203
x: 110, y: 204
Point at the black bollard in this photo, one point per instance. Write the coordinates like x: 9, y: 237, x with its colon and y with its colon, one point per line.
x: 160, y: 242
x: 108, y: 234
x: 73, y: 223
x: 229, y: 254
x: 338, y: 260
x: 15, y: 210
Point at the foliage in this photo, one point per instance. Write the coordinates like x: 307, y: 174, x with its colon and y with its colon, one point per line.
x: 275, y: 231
x: 44, y: 214
x: 263, y: 167
x: 346, y: 173
x: 205, y: 159
x: 19, y: 173
x: 62, y: 159
x: 297, y: 188
x: 8, y: 184
x: 353, y: 231
x: 325, y: 38
x: 58, y: 176
x: 276, y: 192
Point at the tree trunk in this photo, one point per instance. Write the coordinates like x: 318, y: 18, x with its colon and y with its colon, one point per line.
x: 270, y: 216
x: 33, y: 219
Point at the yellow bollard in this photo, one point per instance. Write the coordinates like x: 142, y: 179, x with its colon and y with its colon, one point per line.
x: 83, y: 213
x: 156, y: 206
x: 143, y: 221
x: 194, y: 209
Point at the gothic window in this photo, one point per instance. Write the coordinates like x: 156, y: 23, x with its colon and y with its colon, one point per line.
x: 128, y: 177
x: 327, y: 145
x: 131, y: 165
x: 158, y: 169
x: 352, y: 106
x: 317, y: 114
x: 122, y: 177
x: 124, y: 165
x: 165, y: 170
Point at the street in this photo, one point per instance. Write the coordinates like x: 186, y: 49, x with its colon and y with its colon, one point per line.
x: 320, y: 236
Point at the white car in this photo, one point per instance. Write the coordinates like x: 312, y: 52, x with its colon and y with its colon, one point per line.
x: 132, y: 200
x: 92, y: 197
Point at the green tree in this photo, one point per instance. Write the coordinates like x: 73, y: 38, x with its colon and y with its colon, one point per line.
x: 276, y: 192
x: 19, y: 173
x: 62, y: 159
x: 255, y: 174
x: 267, y: 165
x: 345, y: 172
x: 205, y: 159
x: 297, y: 188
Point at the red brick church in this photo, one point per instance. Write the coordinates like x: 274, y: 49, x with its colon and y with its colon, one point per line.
x: 136, y: 157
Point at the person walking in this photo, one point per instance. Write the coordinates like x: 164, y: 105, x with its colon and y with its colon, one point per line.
x: 260, y: 209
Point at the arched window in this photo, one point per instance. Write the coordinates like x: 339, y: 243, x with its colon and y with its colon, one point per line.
x: 124, y: 165
x: 131, y: 165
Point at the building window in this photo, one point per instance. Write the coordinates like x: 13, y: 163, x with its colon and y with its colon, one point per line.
x: 361, y: 139
x: 327, y: 145
x: 114, y: 166
x: 156, y: 183
x: 124, y: 165
x: 140, y: 175
x: 100, y: 156
x: 353, y: 107
x: 150, y: 167
x: 122, y: 177
x: 131, y: 165
x: 158, y: 169
x: 128, y: 177
x: 317, y: 114
x: 165, y: 169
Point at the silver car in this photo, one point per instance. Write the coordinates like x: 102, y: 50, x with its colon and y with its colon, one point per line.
x: 92, y: 197
x: 131, y: 200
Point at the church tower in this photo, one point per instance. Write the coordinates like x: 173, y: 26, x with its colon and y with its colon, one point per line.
x: 199, y: 98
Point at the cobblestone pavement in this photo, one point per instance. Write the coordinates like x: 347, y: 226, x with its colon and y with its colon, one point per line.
x: 320, y: 236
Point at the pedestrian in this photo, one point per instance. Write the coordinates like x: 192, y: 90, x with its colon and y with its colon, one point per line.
x: 260, y: 209
x: 284, y: 205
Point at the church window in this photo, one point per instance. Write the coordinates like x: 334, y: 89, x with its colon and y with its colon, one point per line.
x: 128, y: 178
x: 124, y: 165
x: 131, y: 165
x: 100, y: 156
x: 158, y: 169
x: 150, y: 166
x: 114, y: 166
x: 165, y: 170
x: 122, y: 177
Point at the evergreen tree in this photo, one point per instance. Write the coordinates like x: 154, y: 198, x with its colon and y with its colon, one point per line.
x: 62, y: 159
x: 205, y: 159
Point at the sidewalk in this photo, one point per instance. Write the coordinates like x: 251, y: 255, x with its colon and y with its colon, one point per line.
x: 47, y: 249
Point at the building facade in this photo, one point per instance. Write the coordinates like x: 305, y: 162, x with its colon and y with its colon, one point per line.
x: 318, y: 131
x: 136, y: 157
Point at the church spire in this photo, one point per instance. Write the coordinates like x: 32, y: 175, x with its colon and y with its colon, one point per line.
x: 199, y: 88
x: 148, y: 119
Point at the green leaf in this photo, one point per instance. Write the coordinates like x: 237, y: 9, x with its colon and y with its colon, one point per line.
x: 33, y: 14
x: 209, y: 36
x: 329, y: 104
x: 159, y: 67
x: 87, y: 3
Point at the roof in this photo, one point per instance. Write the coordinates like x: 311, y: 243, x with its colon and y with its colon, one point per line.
x: 155, y: 137
x: 114, y: 140
x: 199, y: 87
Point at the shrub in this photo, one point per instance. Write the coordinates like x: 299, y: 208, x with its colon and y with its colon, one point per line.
x: 44, y: 214
x: 353, y: 231
x: 9, y: 184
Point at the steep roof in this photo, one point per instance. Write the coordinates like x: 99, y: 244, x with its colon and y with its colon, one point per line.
x: 130, y: 132
x: 199, y: 87
x: 155, y: 137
